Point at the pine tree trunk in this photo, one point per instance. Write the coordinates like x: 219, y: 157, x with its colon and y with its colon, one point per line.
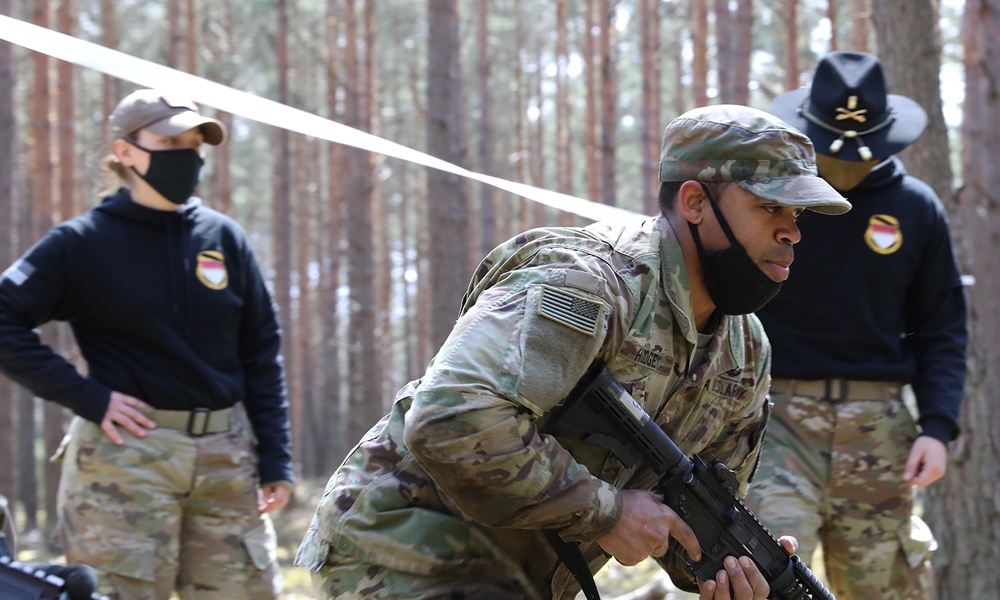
x: 609, y: 101
x: 590, y: 123
x: 486, y: 156
x: 650, y: 48
x: 281, y: 208
x: 446, y: 193
x: 8, y: 138
x: 699, y: 44
x: 792, y: 67
x: 962, y: 508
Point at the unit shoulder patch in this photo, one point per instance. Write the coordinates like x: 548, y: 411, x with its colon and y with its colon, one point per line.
x: 884, y: 234
x: 211, y: 270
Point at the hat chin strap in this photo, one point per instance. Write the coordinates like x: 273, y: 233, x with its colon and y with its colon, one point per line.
x: 835, y: 146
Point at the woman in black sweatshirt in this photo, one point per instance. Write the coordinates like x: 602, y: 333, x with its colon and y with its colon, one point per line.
x: 180, y: 447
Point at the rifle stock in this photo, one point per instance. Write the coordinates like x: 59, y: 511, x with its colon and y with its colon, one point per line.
x: 704, y: 495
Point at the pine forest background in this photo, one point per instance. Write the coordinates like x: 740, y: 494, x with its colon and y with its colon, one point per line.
x: 368, y: 257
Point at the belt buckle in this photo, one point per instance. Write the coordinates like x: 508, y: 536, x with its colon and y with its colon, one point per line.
x: 842, y: 391
x: 191, y: 429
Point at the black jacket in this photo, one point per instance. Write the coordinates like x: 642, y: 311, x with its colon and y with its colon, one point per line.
x: 169, y: 307
x: 875, y: 294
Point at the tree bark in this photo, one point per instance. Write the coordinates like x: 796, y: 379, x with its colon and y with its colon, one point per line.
x: 909, y: 52
x: 363, y: 380
x: 590, y: 122
x: 724, y: 51
x: 328, y: 425
x: 8, y: 234
x: 281, y: 207
x: 110, y: 86
x: 831, y: 15
x: 446, y: 193
x: 860, y: 31
x: 699, y: 50
x: 41, y: 190
x: 190, y: 46
x: 564, y: 109
x: 487, y: 195
x: 792, y: 67
x: 304, y: 336
x: 742, y: 51
x: 609, y: 101
x: 961, y: 508
x: 650, y: 59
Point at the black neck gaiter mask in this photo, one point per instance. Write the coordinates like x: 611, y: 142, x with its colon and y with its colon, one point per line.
x: 735, y: 283
x: 173, y: 173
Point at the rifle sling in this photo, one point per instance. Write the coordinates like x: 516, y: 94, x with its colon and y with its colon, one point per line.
x: 571, y: 556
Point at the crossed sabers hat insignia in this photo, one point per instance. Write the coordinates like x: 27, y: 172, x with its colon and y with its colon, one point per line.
x: 852, y: 111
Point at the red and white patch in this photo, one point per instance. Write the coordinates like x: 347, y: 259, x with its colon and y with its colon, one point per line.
x: 211, y: 270
x: 883, y: 234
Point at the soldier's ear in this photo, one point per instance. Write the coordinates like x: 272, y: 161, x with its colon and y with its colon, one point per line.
x: 692, y: 202
x: 123, y: 150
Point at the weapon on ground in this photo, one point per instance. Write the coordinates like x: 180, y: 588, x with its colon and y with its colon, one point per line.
x: 704, y: 495
x: 39, y: 581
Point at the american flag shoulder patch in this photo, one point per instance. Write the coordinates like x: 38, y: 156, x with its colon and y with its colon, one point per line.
x: 573, y: 311
x: 18, y: 272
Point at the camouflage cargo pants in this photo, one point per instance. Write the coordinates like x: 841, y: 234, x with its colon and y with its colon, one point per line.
x: 354, y: 580
x: 377, y: 583
x: 831, y: 473
x: 167, y: 512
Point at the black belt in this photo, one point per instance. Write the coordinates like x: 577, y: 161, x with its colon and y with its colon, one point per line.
x: 838, y: 388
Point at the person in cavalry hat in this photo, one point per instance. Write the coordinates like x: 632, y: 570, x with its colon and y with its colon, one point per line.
x: 874, y: 309
x: 847, y: 112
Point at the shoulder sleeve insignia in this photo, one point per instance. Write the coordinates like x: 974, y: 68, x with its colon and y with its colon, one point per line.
x: 572, y: 310
x: 211, y: 270
x: 19, y: 272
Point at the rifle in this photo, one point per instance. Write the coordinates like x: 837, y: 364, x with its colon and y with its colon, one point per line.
x: 703, y: 495
x: 37, y: 581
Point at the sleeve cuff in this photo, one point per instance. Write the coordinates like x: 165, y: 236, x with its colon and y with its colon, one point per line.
x: 938, y: 428
x: 92, y: 404
x: 283, y: 483
x: 597, y: 522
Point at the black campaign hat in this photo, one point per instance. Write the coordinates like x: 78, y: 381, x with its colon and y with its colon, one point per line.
x: 847, y: 112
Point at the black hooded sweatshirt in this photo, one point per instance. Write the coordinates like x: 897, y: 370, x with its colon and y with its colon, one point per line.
x: 875, y: 294
x: 166, y: 306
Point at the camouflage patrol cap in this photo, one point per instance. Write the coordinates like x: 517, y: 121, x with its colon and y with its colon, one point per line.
x: 761, y: 153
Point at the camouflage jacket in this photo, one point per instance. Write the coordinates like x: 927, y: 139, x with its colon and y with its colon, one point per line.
x: 458, y: 478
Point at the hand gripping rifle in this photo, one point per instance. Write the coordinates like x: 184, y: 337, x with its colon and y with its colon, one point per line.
x: 703, y: 495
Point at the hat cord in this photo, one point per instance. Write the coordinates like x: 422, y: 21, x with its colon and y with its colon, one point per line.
x: 837, y: 144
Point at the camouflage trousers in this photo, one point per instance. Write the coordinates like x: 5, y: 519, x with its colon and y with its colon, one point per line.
x: 353, y: 580
x: 167, y: 512
x: 831, y: 474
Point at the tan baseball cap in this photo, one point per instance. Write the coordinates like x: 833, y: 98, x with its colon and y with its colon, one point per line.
x: 758, y: 151
x: 163, y: 113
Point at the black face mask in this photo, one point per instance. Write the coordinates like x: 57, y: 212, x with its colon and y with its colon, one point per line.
x: 735, y: 283
x: 173, y: 173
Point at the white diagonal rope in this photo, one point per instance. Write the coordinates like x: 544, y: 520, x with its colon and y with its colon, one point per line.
x: 209, y: 93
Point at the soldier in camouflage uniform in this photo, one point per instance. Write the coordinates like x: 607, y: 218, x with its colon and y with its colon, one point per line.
x: 448, y: 495
x: 876, y: 302
x: 180, y: 447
